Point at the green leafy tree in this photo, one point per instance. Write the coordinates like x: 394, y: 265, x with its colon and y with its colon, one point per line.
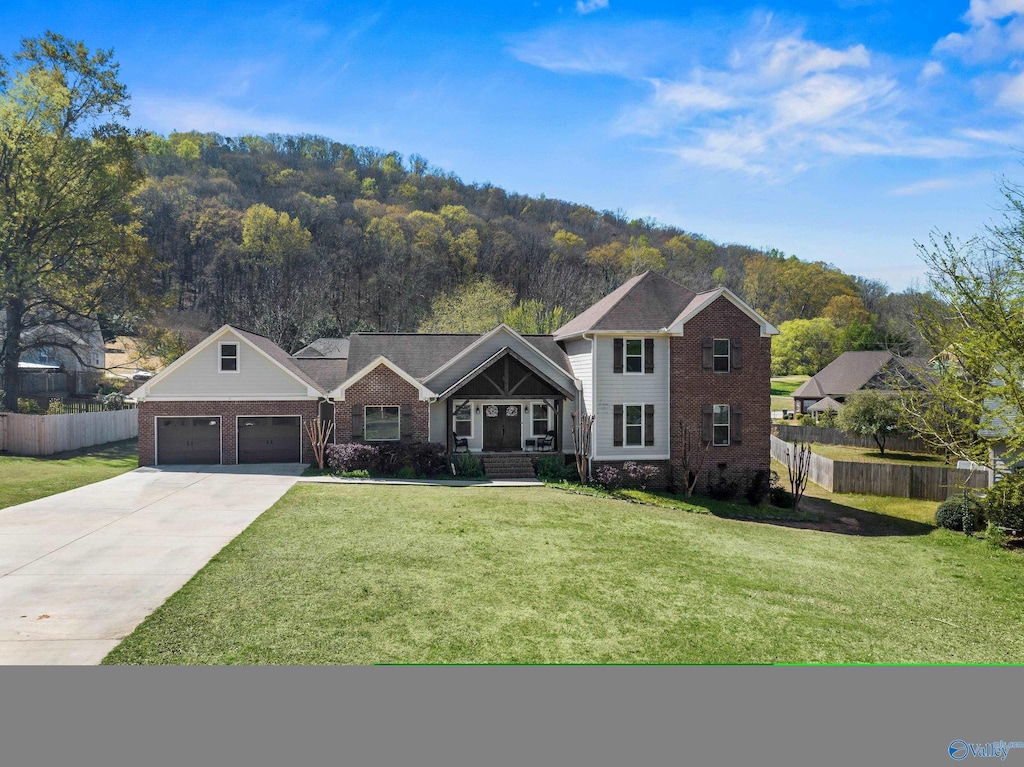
x: 977, y: 323
x: 68, y: 247
x: 803, y: 347
x: 870, y: 414
x: 533, y: 318
x: 472, y: 308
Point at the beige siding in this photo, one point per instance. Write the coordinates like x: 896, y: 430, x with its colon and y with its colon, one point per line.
x: 200, y: 378
x: 489, y: 348
x: 612, y: 389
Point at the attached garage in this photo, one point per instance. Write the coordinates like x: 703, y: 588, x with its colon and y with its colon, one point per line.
x: 269, y: 439
x: 188, y: 440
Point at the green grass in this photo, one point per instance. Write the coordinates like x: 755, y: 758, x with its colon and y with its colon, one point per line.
x: 871, y: 455
x: 782, y: 391
x: 369, y: 574
x: 25, y: 479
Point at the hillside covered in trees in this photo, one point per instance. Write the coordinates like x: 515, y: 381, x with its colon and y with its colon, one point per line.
x: 297, y: 237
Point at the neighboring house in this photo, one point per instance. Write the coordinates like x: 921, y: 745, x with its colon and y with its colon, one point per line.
x: 856, y: 371
x: 64, y: 359
x: 1001, y: 460
x: 653, y: 361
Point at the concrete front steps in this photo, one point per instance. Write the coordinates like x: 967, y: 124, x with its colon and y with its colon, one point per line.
x: 508, y: 466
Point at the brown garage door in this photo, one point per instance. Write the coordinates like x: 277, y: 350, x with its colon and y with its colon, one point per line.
x: 188, y: 440
x: 275, y: 439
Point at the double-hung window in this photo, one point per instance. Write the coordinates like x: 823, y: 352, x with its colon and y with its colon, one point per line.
x: 382, y: 423
x: 462, y: 420
x: 634, y: 355
x: 721, y: 361
x: 229, y: 358
x: 634, y: 425
x: 721, y: 424
x: 541, y: 422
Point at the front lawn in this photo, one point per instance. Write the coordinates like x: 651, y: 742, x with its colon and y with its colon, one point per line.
x: 24, y: 479
x: 362, y: 574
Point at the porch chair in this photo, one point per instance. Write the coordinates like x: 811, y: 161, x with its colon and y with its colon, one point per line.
x: 460, y: 442
x: 547, y: 442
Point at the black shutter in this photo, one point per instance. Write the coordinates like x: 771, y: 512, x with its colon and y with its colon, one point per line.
x: 648, y: 425
x: 736, y: 353
x: 736, y: 424
x: 617, y: 426
x: 357, y: 423
x: 648, y: 355
x: 706, y: 423
x: 405, y: 420
x: 617, y: 354
x: 707, y: 353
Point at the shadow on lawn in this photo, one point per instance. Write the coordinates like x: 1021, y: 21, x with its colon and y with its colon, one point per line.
x: 831, y: 517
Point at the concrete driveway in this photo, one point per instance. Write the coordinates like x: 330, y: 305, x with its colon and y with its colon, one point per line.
x: 81, y: 569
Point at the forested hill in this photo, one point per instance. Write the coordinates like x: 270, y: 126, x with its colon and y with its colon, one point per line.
x: 297, y: 237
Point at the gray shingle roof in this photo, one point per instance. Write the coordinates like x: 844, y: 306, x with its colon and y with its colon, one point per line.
x: 328, y: 373
x: 325, y: 348
x: 646, y: 303
x: 420, y: 354
x: 852, y: 371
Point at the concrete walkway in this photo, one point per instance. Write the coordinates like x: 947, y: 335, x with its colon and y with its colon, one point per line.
x: 80, y: 570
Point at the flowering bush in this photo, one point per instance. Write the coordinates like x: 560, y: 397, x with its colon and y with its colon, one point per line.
x: 351, y: 456
x: 608, y: 477
x: 638, y: 474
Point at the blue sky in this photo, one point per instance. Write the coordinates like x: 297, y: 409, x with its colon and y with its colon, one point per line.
x: 837, y: 130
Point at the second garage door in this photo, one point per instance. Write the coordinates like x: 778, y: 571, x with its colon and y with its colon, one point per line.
x: 271, y: 439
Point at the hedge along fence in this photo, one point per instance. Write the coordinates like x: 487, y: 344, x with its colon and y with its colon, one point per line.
x: 821, y: 435
x: 48, y: 434
x: 931, y: 483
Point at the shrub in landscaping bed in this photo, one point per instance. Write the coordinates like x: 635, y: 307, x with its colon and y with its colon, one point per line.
x: 351, y: 456
x: 467, y: 465
x: 638, y: 474
x: 426, y: 459
x: 553, y: 468
x: 722, y: 489
x: 757, y: 487
x: 608, y: 477
x: 961, y: 512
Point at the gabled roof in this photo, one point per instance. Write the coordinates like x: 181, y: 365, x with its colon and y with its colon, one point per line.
x: 339, y: 391
x: 702, y: 300
x: 852, y: 371
x: 825, y: 403
x: 328, y: 373
x: 646, y: 303
x: 422, y: 354
x: 325, y: 348
x: 262, y: 344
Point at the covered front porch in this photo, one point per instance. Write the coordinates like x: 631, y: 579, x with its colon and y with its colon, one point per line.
x: 506, y: 405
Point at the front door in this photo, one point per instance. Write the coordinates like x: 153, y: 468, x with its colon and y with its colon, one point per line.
x: 503, y: 427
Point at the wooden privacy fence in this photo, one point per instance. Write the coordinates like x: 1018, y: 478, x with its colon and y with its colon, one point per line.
x: 49, y: 434
x: 932, y: 483
x: 898, y: 443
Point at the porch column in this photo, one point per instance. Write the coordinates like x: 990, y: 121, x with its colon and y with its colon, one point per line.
x: 448, y: 446
x: 558, y: 425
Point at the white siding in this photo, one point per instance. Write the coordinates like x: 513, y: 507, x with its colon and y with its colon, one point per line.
x: 581, y: 358
x: 612, y: 389
x: 200, y: 377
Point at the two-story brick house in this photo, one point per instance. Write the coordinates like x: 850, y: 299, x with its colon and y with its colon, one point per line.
x: 654, y: 362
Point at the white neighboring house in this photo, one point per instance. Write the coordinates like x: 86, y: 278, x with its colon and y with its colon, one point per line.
x: 63, y: 360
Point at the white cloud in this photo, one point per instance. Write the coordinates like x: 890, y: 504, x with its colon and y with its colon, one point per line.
x: 584, y: 7
x: 995, y: 31
x: 931, y: 70
x: 1011, y: 94
x: 166, y: 114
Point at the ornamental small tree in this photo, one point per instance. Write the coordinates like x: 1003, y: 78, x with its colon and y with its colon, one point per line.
x: 870, y: 413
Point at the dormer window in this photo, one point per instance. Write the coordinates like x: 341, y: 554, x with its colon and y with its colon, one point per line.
x: 229, y: 358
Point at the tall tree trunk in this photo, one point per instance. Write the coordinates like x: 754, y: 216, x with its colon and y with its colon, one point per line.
x: 10, y: 354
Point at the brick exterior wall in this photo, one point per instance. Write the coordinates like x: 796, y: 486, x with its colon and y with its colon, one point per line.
x: 691, y: 387
x: 382, y: 386
x: 228, y: 411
